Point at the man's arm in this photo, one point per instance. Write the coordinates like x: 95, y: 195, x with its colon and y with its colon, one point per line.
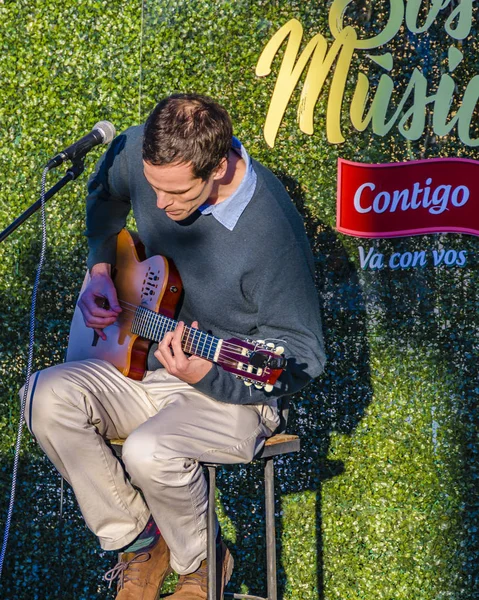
x: 107, y: 206
x: 288, y: 315
x: 107, y: 203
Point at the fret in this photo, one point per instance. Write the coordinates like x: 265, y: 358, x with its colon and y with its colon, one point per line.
x: 145, y: 323
x: 138, y: 322
x: 194, y: 349
x: 149, y: 322
x: 195, y: 346
x: 206, y: 347
x: 144, y: 320
x: 161, y: 328
x: 167, y: 325
x: 191, y: 339
x: 154, y: 326
x: 157, y: 328
x: 133, y: 323
x: 204, y: 342
x: 212, y: 350
x: 170, y: 324
x: 187, y: 342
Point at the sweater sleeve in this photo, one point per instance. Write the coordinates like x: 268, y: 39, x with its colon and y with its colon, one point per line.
x: 288, y: 315
x: 107, y: 203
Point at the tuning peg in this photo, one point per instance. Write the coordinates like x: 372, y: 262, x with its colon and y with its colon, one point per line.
x: 270, y: 345
x: 248, y: 383
x: 268, y: 388
x: 258, y: 386
x: 279, y: 350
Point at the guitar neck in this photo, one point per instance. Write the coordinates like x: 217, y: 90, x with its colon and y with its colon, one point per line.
x: 154, y: 326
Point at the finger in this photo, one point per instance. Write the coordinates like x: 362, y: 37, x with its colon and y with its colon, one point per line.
x: 195, y: 325
x: 101, y: 333
x: 164, y: 352
x: 100, y: 322
x: 193, y: 357
x: 101, y: 307
x: 91, y: 307
x: 112, y: 298
x: 101, y: 291
x: 176, y: 344
x: 164, y: 358
x: 165, y: 343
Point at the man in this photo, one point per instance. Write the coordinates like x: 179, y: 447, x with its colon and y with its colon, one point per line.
x: 247, y: 271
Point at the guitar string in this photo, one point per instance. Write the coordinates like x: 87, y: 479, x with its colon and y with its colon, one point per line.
x: 224, y: 358
x: 226, y: 345
x: 160, y: 316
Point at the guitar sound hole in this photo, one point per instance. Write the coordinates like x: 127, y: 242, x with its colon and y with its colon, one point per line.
x: 149, y: 289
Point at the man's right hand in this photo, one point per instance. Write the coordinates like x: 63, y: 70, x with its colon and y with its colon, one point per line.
x: 99, y: 302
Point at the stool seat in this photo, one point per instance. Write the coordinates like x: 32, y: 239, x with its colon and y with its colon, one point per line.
x: 282, y: 443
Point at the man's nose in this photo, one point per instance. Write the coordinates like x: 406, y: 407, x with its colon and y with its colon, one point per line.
x: 163, y: 200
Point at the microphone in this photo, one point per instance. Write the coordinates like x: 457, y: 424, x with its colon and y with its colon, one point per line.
x: 102, y: 133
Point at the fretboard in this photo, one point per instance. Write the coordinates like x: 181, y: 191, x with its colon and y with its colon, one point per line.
x: 153, y: 326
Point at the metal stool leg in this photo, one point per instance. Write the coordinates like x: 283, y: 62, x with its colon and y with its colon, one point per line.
x: 211, y: 533
x: 270, y: 529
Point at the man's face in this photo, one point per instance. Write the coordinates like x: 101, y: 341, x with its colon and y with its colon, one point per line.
x: 178, y: 192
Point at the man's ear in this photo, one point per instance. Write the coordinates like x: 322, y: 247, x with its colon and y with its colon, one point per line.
x: 221, y: 169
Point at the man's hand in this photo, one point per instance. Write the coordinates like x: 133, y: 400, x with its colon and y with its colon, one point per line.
x: 189, y: 369
x: 99, y: 302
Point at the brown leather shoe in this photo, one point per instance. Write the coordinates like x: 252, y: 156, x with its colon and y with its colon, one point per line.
x: 141, y: 574
x: 194, y: 586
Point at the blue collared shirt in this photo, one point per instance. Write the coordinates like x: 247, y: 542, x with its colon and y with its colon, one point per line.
x: 230, y: 210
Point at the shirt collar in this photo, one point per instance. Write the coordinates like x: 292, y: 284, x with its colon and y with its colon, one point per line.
x: 230, y: 210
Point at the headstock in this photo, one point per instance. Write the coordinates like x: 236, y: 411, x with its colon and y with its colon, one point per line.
x: 257, y: 362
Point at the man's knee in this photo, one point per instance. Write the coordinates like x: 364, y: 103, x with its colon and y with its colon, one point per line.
x: 32, y: 399
x: 147, y: 455
x: 43, y: 400
x: 138, y: 454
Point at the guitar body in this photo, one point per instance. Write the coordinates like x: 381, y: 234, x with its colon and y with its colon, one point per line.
x: 153, y: 283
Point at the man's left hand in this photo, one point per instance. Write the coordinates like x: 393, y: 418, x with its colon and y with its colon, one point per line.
x: 189, y: 369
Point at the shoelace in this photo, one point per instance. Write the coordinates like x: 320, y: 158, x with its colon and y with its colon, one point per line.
x: 198, y: 577
x: 119, y: 570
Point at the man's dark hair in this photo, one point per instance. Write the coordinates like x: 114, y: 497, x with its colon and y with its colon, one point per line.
x: 188, y: 128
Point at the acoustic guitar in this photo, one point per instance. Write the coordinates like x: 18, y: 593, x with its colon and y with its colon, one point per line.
x: 148, y: 292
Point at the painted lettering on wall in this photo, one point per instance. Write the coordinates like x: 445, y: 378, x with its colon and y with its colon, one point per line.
x: 373, y: 260
x: 335, y: 62
x: 436, y: 199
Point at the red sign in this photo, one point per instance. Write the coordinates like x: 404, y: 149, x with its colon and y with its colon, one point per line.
x: 435, y: 195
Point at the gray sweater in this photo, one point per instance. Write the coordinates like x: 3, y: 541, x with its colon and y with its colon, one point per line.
x: 256, y: 281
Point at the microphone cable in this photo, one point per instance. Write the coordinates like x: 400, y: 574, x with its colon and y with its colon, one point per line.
x: 33, y: 306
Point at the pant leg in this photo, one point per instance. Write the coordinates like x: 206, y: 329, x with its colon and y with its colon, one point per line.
x: 71, y: 408
x: 163, y: 454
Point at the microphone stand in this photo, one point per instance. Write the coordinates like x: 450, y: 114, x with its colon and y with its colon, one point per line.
x: 77, y: 168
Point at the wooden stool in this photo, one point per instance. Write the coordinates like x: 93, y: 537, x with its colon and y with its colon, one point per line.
x: 275, y: 446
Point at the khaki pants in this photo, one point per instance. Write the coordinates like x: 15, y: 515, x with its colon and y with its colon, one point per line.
x: 74, y: 407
